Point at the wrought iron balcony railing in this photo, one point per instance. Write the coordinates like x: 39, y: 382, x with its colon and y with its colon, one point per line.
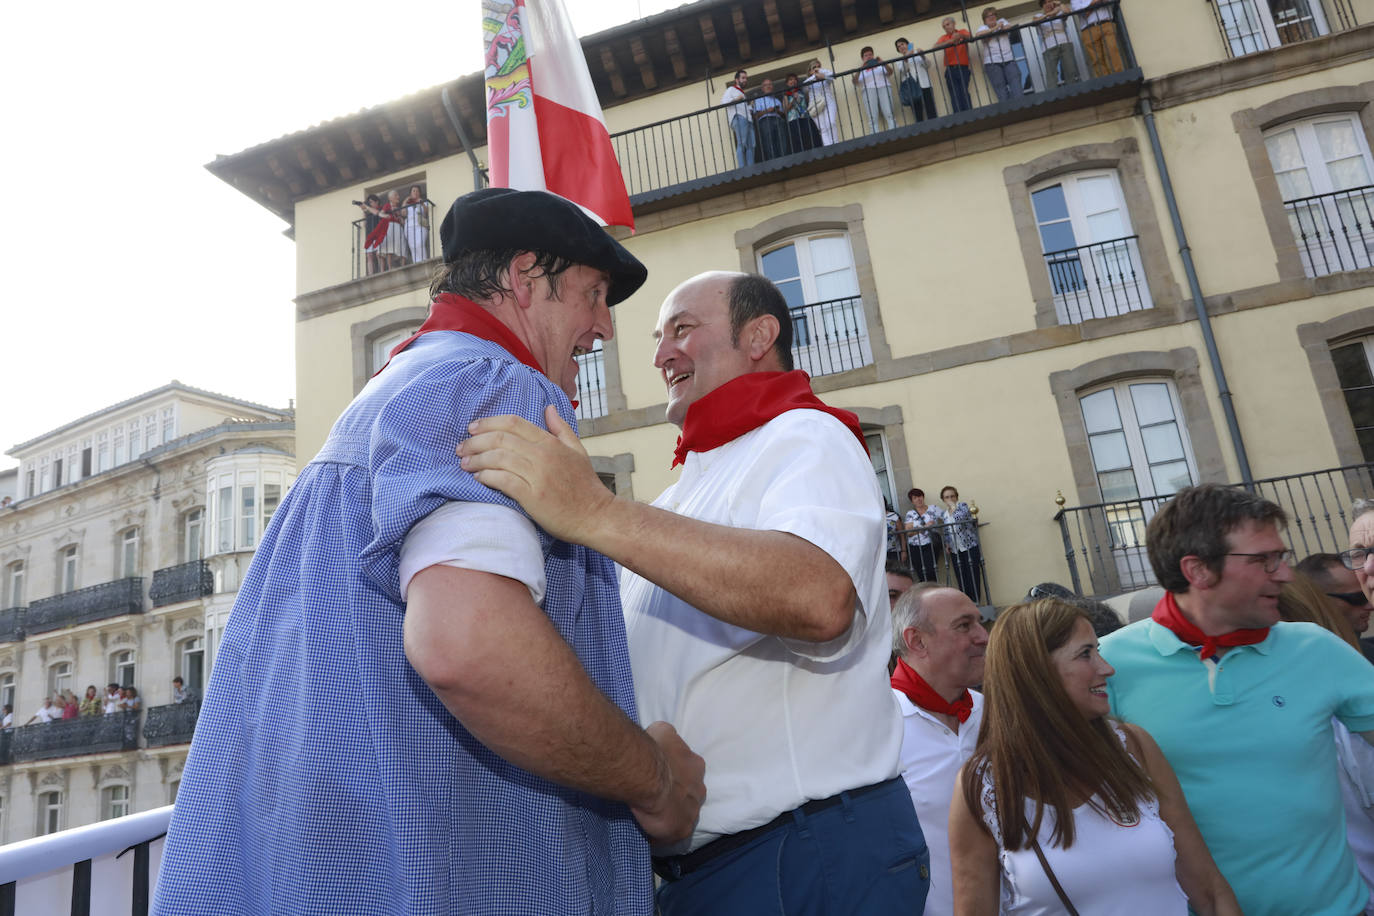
x: 6, y: 742
x: 932, y: 89
x: 74, y: 737
x: 1334, y: 232
x: 409, y: 240
x: 1104, y: 544
x: 591, y: 384
x: 830, y: 336
x: 171, y: 724
x: 12, y: 624
x: 98, y: 602
x: 181, y: 583
x: 1249, y: 26
x: 1098, y: 280
x: 941, y: 561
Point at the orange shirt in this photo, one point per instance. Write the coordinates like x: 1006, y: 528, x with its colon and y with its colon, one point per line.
x: 955, y: 54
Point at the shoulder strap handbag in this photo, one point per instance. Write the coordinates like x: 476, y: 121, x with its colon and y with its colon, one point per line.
x: 1049, y: 873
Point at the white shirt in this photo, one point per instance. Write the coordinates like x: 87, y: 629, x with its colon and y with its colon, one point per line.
x: 483, y: 536
x: 931, y: 757
x: 1356, y: 759
x: 46, y: 714
x: 778, y: 721
x: 916, y: 67
x: 734, y: 94
x: 997, y: 50
x: 873, y: 75
x: 1101, y: 14
x: 1055, y: 32
x: 113, y: 703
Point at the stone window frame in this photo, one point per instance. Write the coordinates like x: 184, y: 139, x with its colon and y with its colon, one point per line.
x: 1180, y: 366
x: 889, y: 421
x: 620, y: 469
x: 363, y: 333
x: 848, y: 219
x: 1317, y: 338
x: 1122, y: 157
x: 1251, y: 124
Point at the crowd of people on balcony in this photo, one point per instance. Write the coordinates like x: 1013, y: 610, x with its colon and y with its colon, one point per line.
x: 931, y: 539
x: 395, y: 230
x: 802, y: 115
x: 63, y: 705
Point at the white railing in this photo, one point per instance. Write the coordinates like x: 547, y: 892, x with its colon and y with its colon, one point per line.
x: 105, y: 868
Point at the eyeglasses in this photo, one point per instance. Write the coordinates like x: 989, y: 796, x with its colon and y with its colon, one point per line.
x: 1272, y: 559
x: 1354, y: 599
x: 1354, y: 559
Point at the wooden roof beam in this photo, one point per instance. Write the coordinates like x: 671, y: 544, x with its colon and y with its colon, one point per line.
x: 612, y: 71
x: 770, y: 11
x: 708, y: 35
x: 674, y: 48
x: 741, y: 32
x: 308, y: 164
x: 355, y: 137
x: 646, y: 66
x: 331, y: 155
x: 420, y: 134
x: 384, y: 131
x: 885, y: 10
x: 813, y: 28
x: 922, y: 7
x: 291, y: 179
x: 441, y: 121
x: 851, y: 20
x: 475, y: 122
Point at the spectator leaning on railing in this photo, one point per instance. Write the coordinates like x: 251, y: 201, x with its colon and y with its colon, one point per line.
x: 913, y: 80
x: 957, y: 72
x: 111, y: 699
x: 1060, y: 64
x: 1097, y: 28
x: 873, y: 79
x: 91, y: 704
x: 999, y: 64
x: 820, y: 84
x: 741, y: 122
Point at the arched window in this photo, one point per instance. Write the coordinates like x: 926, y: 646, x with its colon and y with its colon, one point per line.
x: 14, y: 585
x: 49, y: 813
x: 68, y: 561
x: 126, y: 563
x: 193, y: 535
x: 190, y: 662
x: 114, y: 801
x: 59, y: 678
x: 816, y: 275
x: 122, y: 668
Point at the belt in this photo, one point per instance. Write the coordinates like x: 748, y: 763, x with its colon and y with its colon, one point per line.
x: 671, y: 868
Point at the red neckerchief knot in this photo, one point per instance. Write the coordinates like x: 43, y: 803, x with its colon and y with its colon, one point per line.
x: 745, y: 403
x: 1167, y: 615
x: 905, y: 679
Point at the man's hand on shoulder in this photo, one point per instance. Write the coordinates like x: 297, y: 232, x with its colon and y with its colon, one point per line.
x: 547, y: 473
x: 673, y: 815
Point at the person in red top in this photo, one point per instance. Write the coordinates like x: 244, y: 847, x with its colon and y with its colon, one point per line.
x: 957, y: 72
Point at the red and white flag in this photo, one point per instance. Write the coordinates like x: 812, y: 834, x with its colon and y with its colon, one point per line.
x: 545, y: 131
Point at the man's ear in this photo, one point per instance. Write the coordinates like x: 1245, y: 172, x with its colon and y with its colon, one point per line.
x: 1197, y: 572
x: 914, y: 640
x: 760, y: 335
x: 519, y: 280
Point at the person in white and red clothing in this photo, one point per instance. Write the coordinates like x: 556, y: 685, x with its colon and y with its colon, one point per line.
x: 754, y: 606
x: 940, y: 642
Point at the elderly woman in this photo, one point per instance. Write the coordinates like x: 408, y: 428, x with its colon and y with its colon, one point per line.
x: 1060, y: 808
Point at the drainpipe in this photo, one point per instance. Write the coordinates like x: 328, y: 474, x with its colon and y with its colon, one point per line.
x: 479, y: 179
x: 1199, y: 306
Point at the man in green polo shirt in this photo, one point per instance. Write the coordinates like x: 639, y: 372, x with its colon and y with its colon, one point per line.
x: 1241, y: 704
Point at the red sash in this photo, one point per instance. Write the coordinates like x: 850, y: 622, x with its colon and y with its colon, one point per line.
x: 905, y: 679
x: 1167, y: 614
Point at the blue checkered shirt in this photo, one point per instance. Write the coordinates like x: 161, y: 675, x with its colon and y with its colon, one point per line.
x: 325, y: 776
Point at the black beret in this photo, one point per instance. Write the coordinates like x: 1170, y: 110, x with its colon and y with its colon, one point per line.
x: 497, y: 219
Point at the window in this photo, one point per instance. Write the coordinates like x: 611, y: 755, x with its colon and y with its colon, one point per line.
x: 150, y: 431
x: 7, y: 690
x: 49, y: 813
x: 383, y: 345
x: 118, y: 447
x: 817, y: 278
x: 169, y: 424
x: 127, y: 565
x: 877, y: 452
x: 591, y: 383
x: 1326, y: 178
x: 102, y: 452
x: 29, y: 489
x: 135, y: 440
x: 14, y: 585
x: 172, y: 788
x: 122, y: 668
x: 86, y: 467
x: 57, y: 472
x: 114, y: 802
x: 1092, y: 256
x: 191, y: 662
x: 193, y: 537
x: 249, y: 507
x: 226, y: 515
x: 1258, y: 25
x: 271, y: 498
x: 1353, y: 363
x: 59, y: 678
x: 66, y: 568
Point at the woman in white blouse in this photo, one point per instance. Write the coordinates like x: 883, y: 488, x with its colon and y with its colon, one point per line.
x: 1062, y: 809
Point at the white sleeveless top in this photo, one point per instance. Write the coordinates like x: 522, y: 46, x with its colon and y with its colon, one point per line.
x: 1112, y: 869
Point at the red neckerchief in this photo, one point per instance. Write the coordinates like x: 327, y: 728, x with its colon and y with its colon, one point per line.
x: 1167, y: 615
x: 378, y: 233
x: 905, y: 679
x: 747, y: 402
x: 451, y: 312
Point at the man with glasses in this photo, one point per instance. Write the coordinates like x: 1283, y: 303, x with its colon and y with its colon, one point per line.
x: 1241, y: 704
x: 1334, y: 574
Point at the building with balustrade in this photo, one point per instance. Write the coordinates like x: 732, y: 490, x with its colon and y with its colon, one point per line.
x: 120, y: 558
x: 1123, y: 251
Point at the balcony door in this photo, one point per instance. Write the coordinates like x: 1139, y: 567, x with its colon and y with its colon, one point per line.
x: 1091, y: 253
x: 817, y: 278
x: 1258, y: 25
x: 1326, y: 178
x: 1141, y: 455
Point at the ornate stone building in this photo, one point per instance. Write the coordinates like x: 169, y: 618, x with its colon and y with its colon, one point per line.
x: 120, y: 557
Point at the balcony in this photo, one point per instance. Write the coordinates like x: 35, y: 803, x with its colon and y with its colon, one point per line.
x: 1251, y: 26
x: 1101, y: 280
x: 74, y: 737
x: 410, y: 240
x: 1061, y: 64
x: 1334, y: 232
x: 186, y: 582
x: 171, y: 724
x: 1104, y: 544
x: 6, y: 742
x: 12, y: 624
x: 591, y: 384
x: 830, y: 337
x: 99, y: 602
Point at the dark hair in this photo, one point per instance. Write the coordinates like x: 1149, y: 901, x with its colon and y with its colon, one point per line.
x: 899, y: 41
x: 178, y: 680
x: 739, y: 71
x: 1100, y: 615
x: 1317, y: 567
x: 868, y: 48
x: 752, y: 296
x: 900, y: 569
x: 477, y: 274
x: 949, y: 486
x: 1195, y: 523
x: 914, y: 492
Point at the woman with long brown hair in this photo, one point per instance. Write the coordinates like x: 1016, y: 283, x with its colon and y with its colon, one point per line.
x: 1060, y: 808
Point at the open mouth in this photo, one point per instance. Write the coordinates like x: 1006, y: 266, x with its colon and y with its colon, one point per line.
x: 1099, y: 691
x: 680, y: 377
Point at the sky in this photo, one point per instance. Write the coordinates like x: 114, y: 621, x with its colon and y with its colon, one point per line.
x: 127, y: 264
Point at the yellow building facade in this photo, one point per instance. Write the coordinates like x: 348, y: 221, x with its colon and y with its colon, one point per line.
x: 1000, y: 290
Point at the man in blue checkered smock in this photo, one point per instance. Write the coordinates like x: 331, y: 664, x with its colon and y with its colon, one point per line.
x: 422, y: 702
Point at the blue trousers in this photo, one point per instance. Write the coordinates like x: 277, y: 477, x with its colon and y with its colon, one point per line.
x: 864, y: 856
x: 743, y: 129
